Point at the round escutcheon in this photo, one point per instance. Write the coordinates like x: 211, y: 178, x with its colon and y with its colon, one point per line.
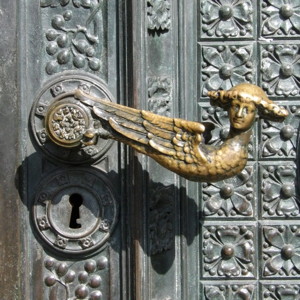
x: 60, y: 123
x: 75, y: 210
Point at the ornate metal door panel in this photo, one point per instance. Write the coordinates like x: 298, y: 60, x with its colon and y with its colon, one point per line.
x: 251, y: 223
x: 238, y: 238
x: 112, y: 224
x: 63, y: 238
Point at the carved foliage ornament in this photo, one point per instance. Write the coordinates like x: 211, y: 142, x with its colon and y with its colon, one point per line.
x: 281, y: 17
x: 281, y: 291
x: 230, y: 197
x: 281, y: 251
x: 159, y: 95
x: 226, y: 66
x: 232, y: 292
x: 281, y: 69
x: 228, y: 251
x: 278, y: 191
x: 73, y: 42
x: 76, y: 3
x: 279, y: 139
x: 226, y: 18
x: 159, y: 16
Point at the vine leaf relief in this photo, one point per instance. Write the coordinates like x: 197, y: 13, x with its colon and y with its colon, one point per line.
x: 281, y: 251
x: 280, y: 17
x: 70, y: 44
x: 159, y: 16
x: 227, y: 18
x: 226, y: 66
x: 228, y: 251
x: 281, y: 69
x: 78, y: 282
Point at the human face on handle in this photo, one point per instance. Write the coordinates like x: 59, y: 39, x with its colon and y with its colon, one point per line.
x: 242, y: 114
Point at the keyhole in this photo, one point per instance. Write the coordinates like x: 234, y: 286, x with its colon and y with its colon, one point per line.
x: 76, y: 201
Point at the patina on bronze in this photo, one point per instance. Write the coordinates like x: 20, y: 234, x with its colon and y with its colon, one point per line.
x: 178, y: 144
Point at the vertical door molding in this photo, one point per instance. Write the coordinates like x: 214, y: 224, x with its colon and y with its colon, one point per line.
x: 10, y: 212
x: 165, y: 211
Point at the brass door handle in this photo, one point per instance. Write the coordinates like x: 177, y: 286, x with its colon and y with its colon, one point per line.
x: 176, y: 144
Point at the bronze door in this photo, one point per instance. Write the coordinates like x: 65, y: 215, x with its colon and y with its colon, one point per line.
x: 105, y: 222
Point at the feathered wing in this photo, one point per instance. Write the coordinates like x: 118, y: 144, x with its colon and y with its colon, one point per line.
x: 167, y: 140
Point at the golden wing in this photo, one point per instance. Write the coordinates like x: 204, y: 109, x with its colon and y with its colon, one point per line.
x: 170, y: 141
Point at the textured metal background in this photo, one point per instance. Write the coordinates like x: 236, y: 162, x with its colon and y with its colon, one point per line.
x: 238, y: 238
x: 250, y: 238
x: 174, y: 239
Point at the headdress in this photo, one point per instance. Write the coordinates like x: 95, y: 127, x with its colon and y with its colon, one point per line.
x: 247, y: 92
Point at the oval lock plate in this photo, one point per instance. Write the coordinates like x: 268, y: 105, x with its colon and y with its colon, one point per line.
x: 60, y: 123
x: 75, y: 210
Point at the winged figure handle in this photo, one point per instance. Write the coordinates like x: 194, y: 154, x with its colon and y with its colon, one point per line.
x: 77, y: 120
x: 178, y: 144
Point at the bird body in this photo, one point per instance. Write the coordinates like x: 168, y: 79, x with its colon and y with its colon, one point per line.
x: 210, y: 163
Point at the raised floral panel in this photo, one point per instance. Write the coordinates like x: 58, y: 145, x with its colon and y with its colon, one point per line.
x: 230, y: 292
x: 74, y: 38
x: 280, y: 69
x: 278, y: 191
x: 226, y: 18
x: 281, y: 18
x: 75, y: 280
x: 228, y: 251
x: 281, y: 291
x: 217, y: 123
x: 222, y: 67
x: 281, y: 251
x: 229, y: 54
x: 278, y: 140
x: 233, y: 197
